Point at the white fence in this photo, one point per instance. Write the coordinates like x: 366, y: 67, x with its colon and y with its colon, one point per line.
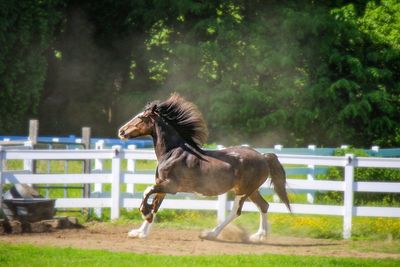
x: 117, y: 199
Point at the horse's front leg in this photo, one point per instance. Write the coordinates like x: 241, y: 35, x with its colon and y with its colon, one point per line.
x: 145, y: 208
x: 148, y: 212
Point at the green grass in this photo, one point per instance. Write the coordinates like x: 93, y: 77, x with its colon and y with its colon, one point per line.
x: 27, y: 255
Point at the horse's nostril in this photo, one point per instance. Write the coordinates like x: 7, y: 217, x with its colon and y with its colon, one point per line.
x: 121, y: 132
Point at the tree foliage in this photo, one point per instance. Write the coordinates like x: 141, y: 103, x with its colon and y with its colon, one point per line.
x: 294, y: 72
x: 26, y: 32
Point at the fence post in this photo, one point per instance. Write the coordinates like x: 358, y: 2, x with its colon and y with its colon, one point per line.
x: 33, y: 131
x: 222, y: 201
x: 86, y: 132
x: 1, y: 177
x: 28, y: 162
x: 66, y: 171
x: 348, y: 196
x: 116, y: 183
x: 98, y: 187
x: 275, y: 197
x: 222, y: 205
x: 33, y: 138
x: 375, y: 150
x: 311, y: 176
x: 131, y: 165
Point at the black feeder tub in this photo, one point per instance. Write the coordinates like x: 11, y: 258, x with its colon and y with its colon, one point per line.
x: 29, y: 210
x: 23, y: 203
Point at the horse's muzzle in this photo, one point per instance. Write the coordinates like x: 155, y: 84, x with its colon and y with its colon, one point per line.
x: 122, y: 134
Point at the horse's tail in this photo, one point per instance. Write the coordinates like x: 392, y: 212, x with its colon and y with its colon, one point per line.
x: 278, y: 178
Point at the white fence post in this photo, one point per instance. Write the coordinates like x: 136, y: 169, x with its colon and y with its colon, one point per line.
x: 348, y: 196
x: 375, y: 148
x: 222, y: 201
x: 1, y: 177
x: 66, y: 171
x: 131, y: 165
x: 311, y: 176
x: 116, y: 183
x: 275, y: 197
x: 222, y: 205
x: 98, y: 187
x: 28, y: 163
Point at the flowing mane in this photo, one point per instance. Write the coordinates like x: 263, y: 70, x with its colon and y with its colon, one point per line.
x: 186, y: 119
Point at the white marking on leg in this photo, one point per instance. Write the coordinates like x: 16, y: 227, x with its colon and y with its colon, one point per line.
x: 143, y: 231
x: 232, y: 215
x: 262, y: 232
x: 145, y: 203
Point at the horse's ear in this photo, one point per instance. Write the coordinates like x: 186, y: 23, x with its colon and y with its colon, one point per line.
x: 154, y: 108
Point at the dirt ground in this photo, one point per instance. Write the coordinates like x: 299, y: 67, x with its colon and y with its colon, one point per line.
x: 186, y: 242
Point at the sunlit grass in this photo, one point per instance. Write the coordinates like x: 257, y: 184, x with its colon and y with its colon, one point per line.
x: 28, y: 255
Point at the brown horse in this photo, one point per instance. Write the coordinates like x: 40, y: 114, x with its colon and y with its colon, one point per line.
x: 179, y: 130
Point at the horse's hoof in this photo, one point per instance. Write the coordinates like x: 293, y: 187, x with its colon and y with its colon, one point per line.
x: 258, y: 237
x: 208, y: 235
x: 136, y: 233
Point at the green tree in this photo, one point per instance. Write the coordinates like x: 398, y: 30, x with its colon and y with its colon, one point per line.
x: 287, y: 72
x: 26, y: 31
x: 263, y: 72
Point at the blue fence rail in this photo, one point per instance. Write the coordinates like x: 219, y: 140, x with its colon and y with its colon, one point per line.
x: 148, y: 143
x: 72, y: 139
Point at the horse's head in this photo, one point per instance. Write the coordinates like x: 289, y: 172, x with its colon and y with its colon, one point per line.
x: 140, y: 125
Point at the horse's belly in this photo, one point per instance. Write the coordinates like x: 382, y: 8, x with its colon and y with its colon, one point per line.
x: 207, y: 185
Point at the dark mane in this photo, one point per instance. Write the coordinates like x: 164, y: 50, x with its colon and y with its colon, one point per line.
x: 186, y: 119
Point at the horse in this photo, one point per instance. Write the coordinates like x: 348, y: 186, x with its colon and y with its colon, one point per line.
x: 179, y: 131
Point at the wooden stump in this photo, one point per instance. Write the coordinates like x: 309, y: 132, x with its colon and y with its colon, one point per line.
x: 2, y: 227
x: 16, y: 227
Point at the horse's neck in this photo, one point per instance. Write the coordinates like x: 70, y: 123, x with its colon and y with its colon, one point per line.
x: 165, y: 138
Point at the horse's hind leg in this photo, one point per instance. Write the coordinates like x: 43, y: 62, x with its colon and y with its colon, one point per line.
x: 142, y: 231
x: 235, y: 212
x: 262, y: 205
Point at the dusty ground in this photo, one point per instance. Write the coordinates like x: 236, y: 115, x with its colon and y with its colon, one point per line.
x: 186, y: 242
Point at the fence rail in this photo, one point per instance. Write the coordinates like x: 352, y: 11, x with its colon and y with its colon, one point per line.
x: 129, y: 199
x: 70, y: 140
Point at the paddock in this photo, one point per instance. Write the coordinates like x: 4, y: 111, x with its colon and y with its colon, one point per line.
x: 122, y: 176
x: 181, y: 242
x: 115, y: 199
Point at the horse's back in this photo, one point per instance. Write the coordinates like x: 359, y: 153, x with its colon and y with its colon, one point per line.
x: 241, y: 169
x: 252, y: 168
x: 240, y: 155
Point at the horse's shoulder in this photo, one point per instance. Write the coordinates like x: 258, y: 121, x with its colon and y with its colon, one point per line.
x: 171, y: 155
